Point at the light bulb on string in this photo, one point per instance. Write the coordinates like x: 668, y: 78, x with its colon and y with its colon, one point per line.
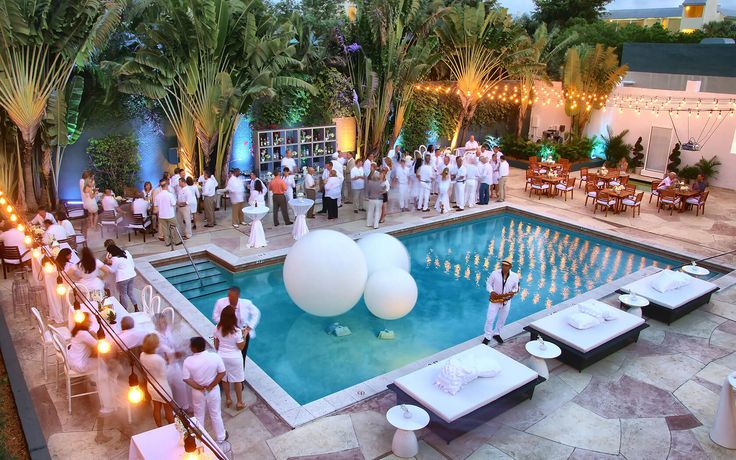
x: 190, y: 447
x: 27, y: 240
x: 36, y: 253
x: 21, y: 228
x: 103, y: 346
x: 2, y: 201
x: 13, y: 218
x: 135, y: 394
x: 60, y: 288
x: 78, y: 313
x: 48, y: 267
x: 9, y: 208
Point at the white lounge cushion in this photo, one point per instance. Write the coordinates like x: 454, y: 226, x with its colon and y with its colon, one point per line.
x: 667, y: 280
x: 592, y: 194
x: 594, y: 309
x: 564, y: 187
x: 541, y: 187
x: 556, y: 326
x: 482, y: 366
x: 606, y: 203
x: 693, y: 200
x: 670, y: 299
x: 476, y: 394
x: 583, y: 321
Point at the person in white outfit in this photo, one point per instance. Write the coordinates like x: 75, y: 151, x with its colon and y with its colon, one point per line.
x: 290, y: 184
x: 183, y: 210
x: 460, y: 178
x: 156, y: 366
x: 203, y: 371
x: 229, y: 343
x: 374, y: 188
x: 236, y: 191
x: 448, y: 162
x: 424, y: 174
x: 485, y: 176
x: 402, y: 177
x: 443, y: 199
x: 357, y: 184
x: 471, y: 181
x: 339, y: 168
x: 472, y: 144
x: 503, y: 174
x: 248, y: 314
x: 288, y: 162
x: 503, y: 284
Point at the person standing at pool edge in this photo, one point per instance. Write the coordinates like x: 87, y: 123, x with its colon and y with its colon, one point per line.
x: 248, y: 314
x: 502, y: 285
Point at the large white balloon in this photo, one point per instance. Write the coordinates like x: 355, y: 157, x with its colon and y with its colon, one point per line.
x: 383, y: 251
x: 390, y: 293
x: 325, y: 273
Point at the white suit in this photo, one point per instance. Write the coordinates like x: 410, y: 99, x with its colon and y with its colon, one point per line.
x: 496, y: 284
x: 460, y: 178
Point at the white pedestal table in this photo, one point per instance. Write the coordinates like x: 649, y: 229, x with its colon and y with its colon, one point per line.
x: 300, y: 206
x: 405, y: 444
x: 540, y: 352
x: 633, y: 303
x: 257, y: 238
x: 723, y: 431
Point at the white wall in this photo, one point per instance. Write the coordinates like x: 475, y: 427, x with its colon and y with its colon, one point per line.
x: 721, y: 142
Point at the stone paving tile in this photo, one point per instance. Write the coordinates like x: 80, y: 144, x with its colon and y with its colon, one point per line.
x: 724, y: 340
x: 695, y: 347
x: 349, y: 454
x: 486, y: 452
x: 548, y: 397
x: 645, y: 439
x: 248, y: 436
x: 576, y: 426
x: 682, y: 422
x: 82, y: 445
x: 727, y: 326
x: 629, y: 398
x: 466, y: 444
x: 712, y: 450
x: 373, y: 432
x: 667, y: 372
x: 380, y: 403
x: 576, y: 380
x: 714, y: 373
x: 699, y: 400
x: 323, y: 436
x: 269, y: 419
x: 685, y: 446
x: 582, y: 454
x: 524, y: 446
x: 729, y: 361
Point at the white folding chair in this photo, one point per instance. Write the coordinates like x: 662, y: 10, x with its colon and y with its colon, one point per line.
x: 46, y: 340
x: 71, y: 376
x: 146, y: 296
x: 169, y: 311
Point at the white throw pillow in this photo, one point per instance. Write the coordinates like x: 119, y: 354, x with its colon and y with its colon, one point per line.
x: 592, y: 310
x: 669, y: 281
x: 452, y: 376
x: 582, y: 321
x: 609, y: 314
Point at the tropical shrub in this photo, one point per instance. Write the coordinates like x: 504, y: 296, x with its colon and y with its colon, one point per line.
x: 637, y: 155
x: 115, y: 161
x: 576, y: 148
x: 615, y: 147
x: 673, y: 162
x: 708, y: 168
x: 689, y: 172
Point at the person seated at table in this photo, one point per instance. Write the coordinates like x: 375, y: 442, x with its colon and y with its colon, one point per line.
x: 699, y: 184
x: 203, y: 371
x: 668, y: 181
x: 169, y: 350
x: 53, y: 232
x: 229, y: 343
x: 109, y: 203
x: 89, y: 271
x: 130, y: 335
x: 12, y: 237
x: 140, y: 205
x: 83, y: 358
x: 62, y: 219
x: 157, y: 368
x: 41, y: 216
x: 64, y: 259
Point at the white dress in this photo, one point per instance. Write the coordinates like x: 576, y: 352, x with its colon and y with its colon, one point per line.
x: 181, y: 392
x: 90, y: 204
x: 231, y: 355
x: 80, y: 359
x: 444, y: 196
x: 156, y: 366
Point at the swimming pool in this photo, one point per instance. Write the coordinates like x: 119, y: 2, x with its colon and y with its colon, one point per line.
x: 450, y: 265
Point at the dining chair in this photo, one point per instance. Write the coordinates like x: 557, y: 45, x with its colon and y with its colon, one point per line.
x: 654, y: 191
x: 71, y: 241
x: 12, y: 258
x: 110, y: 219
x: 583, y: 176
x: 605, y: 201
x: 529, y: 176
x: 667, y: 198
x: 591, y: 191
x: 568, y: 185
x: 699, y: 202
x: 633, y: 202
x: 138, y: 223
x: 71, y: 377
x: 539, y: 187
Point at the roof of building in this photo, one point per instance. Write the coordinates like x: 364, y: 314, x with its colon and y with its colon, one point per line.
x: 694, y: 2
x: 681, y: 58
x: 643, y: 13
x: 728, y: 12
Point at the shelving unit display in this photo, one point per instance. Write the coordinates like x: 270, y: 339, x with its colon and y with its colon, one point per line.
x: 310, y: 146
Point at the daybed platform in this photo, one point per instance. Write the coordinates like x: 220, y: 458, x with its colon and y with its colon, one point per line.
x: 581, y: 348
x: 671, y: 305
x: 482, y: 399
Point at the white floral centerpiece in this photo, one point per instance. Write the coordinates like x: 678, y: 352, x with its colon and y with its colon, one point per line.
x: 97, y: 296
x: 619, y: 188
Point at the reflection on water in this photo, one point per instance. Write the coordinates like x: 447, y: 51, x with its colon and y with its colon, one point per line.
x: 451, y: 266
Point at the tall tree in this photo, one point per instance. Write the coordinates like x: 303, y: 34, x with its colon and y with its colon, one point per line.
x: 589, y: 76
x: 40, y: 43
x: 558, y: 12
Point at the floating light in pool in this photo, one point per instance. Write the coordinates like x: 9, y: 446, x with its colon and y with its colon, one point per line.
x: 535, y: 299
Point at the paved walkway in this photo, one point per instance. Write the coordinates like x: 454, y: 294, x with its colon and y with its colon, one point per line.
x: 654, y: 399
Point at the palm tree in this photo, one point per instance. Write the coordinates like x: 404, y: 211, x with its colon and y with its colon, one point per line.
x: 190, y: 61
x: 476, y: 47
x: 394, y: 54
x: 589, y: 76
x: 40, y: 43
x: 531, y: 65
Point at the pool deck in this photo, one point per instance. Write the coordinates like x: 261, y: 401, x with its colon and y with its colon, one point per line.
x: 653, y: 399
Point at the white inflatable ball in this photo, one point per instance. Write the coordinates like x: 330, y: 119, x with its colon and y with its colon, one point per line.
x: 383, y: 251
x: 325, y: 273
x: 390, y: 293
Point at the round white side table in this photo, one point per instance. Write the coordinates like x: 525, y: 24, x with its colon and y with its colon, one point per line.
x: 300, y: 206
x: 257, y: 237
x: 633, y: 303
x: 539, y: 354
x: 405, y: 444
x: 723, y: 431
x: 695, y: 270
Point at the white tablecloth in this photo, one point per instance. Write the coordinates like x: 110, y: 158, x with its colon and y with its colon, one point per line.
x: 257, y: 238
x: 301, y: 207
x: 162, y: 444
x: 56, y: 303
x: 142, y: 320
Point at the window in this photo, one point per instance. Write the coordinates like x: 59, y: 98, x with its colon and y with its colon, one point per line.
x: 694, y: 11
x: 687, y: 31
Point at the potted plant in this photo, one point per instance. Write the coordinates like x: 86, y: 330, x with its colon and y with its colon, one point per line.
x: 689, y: 173
x: 708, y: 168
x: 674, y: 161
x: 637, y: 157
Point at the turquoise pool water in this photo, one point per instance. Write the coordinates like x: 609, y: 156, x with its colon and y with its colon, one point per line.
x: 450, y: 265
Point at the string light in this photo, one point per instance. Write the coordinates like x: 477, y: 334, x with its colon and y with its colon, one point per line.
x: 2, y: 201
x: 103, y: 346
x: 13, y: 218
x: 9, y: 208
x: 78, y: 313
x: 60, y: 288
x: 48, y: 267
x: 190, y: 447
x: 135, y: 394
x: 36, y: 253
x: 21, y: 228
x: 27, y: 240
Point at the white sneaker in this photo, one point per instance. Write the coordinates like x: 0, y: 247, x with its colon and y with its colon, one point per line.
x: 236, y: 225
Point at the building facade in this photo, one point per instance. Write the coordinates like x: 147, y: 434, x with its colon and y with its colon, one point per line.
x: 691, y: 15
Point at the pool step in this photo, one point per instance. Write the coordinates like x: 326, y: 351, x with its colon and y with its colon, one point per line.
x: 208, y: 289
x: 185, y: 267
x: 192, y: 275
x: 194, y: 283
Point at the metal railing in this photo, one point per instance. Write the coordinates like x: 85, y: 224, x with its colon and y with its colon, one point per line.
x: 176, y: 228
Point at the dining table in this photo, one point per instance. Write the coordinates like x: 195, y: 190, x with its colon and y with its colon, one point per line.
x: 619, y: 195
x: 551, y: 180
x: 166, y: 443
x: 683, y: 195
